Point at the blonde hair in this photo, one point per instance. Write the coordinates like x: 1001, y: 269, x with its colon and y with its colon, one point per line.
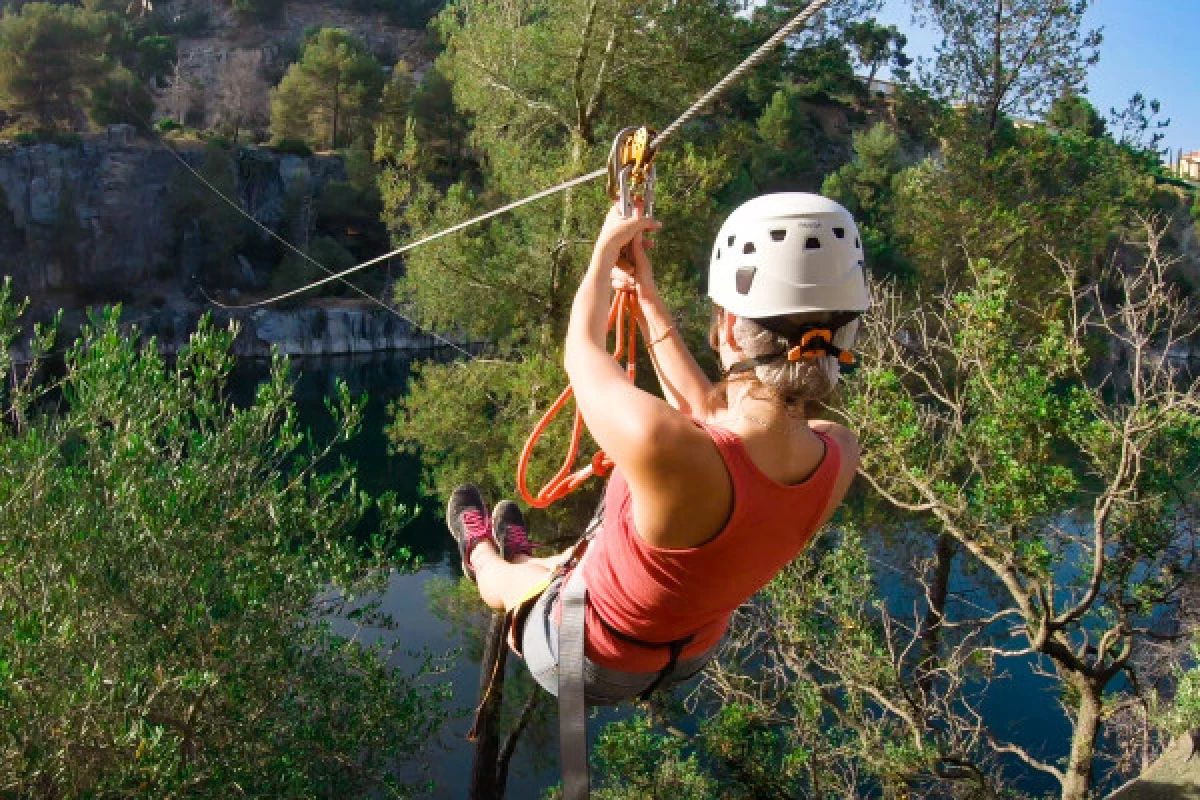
x: 798, y: 384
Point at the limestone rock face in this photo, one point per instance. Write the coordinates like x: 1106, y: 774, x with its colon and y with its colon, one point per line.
x: 1175, y: 776
x: 232, y: 62
x: 331, y: 331
x: 99, y: 214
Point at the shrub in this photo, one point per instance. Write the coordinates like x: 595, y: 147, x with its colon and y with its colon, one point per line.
x: 187, y: 554
x: 292, y: 147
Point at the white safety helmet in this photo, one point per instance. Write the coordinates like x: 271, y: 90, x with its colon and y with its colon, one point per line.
x: 788, y: 253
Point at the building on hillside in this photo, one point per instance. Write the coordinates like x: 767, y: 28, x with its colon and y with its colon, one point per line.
x: 880, y: 86
x: 1189, y: 166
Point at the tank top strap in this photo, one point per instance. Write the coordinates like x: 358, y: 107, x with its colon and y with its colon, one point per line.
x: 733, y: 452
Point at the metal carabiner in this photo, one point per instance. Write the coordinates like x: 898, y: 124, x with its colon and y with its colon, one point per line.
x: 631, y: 173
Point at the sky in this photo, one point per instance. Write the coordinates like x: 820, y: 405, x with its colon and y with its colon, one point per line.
x: 1147, y: 47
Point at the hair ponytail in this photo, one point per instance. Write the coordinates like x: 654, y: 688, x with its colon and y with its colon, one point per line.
x: 809, y: 380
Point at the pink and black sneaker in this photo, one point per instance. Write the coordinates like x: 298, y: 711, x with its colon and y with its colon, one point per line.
x: 467, y: 518
x: 509, y: 530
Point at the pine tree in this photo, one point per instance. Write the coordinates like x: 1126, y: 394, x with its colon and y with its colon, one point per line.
x: 330, y: 96
x: 51, y: 58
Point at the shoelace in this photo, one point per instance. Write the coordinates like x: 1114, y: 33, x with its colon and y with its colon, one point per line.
x: 517, y: 541
x: 476, y: 526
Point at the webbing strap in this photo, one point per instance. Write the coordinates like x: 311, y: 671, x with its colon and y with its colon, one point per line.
x: 572, y: 715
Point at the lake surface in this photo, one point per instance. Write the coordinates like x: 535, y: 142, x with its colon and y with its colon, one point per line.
x: 383, y: 378
x: 1020, y: 707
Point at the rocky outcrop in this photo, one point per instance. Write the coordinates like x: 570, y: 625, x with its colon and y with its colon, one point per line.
x: 237, y: 60
x: 1175, y: 776
x: 99, y: 215
x: 331, y: 331
x: 339, y: 330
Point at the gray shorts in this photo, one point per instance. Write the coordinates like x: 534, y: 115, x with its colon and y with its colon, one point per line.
x: 602, y: 686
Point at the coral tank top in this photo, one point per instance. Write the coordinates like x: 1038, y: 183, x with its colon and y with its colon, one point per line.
x: 657, y: 595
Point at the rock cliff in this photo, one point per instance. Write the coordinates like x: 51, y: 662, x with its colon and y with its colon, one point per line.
x: 97, y: 217
x: 93, y: 224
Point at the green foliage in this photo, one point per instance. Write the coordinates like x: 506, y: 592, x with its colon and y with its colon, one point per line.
x: 1070, y: 191
x: 191, y: 24
x: 866, y: 187
x: 786, y: 134
x: 259, y: 9
x: 292, y: 147
x: 44, y: 136
x: 1073, y: 112
x: 917, y: 114
x: 1008, y: 58
x: 295, y: 271
x: 414, y: 14
x: 876, y: 45
x: 823, y: 70
x: 188, y: 555
x: 1183, y: 715
x: 640, y: 763
x: 395, y: 106
x: 156, y: 57
x: 511, y: 282
x: 990, y: 420
x: 330, y: 96
x: 1139, y: 126
x: 121, y: 98
x: 51, y: 58
x: 349, y: 211
x: 439, y: 131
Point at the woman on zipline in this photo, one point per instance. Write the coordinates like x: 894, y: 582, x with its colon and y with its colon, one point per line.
x: 716, y: 489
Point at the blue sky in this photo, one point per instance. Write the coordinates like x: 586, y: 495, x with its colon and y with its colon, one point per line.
x: 1147, y: 47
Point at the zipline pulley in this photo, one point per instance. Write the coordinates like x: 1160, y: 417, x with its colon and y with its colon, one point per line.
x: 631, y: 173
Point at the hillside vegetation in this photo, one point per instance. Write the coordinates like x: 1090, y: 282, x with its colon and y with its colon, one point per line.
x: 1030, y: 423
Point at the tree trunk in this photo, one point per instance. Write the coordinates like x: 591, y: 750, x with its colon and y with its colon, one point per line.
x: 510, y: 742
x: 484, y: 784
x: 337, y: 102
x: 994, y: 96
x: 931, y: 628
x: 1077, y: 780
x: 559, y: 258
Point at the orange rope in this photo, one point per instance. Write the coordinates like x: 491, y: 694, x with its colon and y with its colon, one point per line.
x: 622, y: 319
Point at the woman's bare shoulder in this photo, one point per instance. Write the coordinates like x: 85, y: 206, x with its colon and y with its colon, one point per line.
x: 846, y: 439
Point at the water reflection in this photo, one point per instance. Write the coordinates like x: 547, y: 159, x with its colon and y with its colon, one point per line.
x: 384, y: 379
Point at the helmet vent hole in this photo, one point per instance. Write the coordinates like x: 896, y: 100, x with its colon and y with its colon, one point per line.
x: 745, y: 279
x: 812, y: 243
x: 839, y: 233
x: 749, y: 249
x: 778, y: 236
x: 718, y: 254
x: 857, y: 244
x: 732, y: 239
